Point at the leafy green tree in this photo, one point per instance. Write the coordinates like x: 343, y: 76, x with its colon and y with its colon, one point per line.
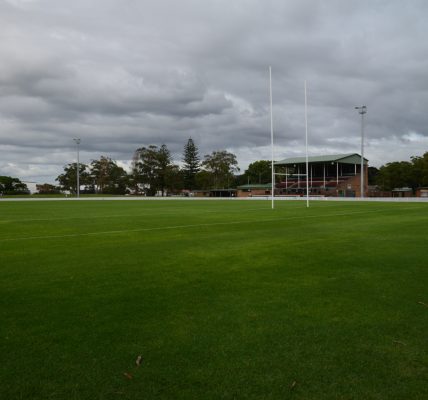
x: 164, y: 168
x: 146, y: 168
x: 203, y: 180
x: 191, y: 164
x: 420, y: 167
x: 241, y: 179
x: 108, y: 177
x: 174, y: 179
x: 372, y: 174
x: 259, y: 172
x: 135, y: 177
x: 68, y: 180
x: 12, y: 186
x: 396, y: 174
x: 221, y: 165
x: 155, y: 169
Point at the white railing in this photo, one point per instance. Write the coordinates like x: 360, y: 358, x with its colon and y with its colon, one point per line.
x: 254, y: 198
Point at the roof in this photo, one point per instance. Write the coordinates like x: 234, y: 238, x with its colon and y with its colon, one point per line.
x: 352, y: 158
x: 256, y: 186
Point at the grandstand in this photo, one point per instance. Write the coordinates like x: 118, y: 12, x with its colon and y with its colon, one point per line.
x: 329, y: 175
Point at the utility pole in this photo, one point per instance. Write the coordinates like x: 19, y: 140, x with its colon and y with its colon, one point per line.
x: 77, y: 141
x: 362, y: 110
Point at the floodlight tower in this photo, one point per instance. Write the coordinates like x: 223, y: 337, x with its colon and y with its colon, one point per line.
x: 362, y: 110
x: 77, y: 141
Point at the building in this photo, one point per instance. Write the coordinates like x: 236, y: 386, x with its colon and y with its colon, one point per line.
x: 330, y: 175
x: 422, y: 192
x: 214, y: 193
x: 402, y: 192
x: 252, y: 190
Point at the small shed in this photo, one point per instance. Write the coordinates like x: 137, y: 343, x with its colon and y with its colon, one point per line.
x: 422, y: 192
x: 222, y: 192
x: 251, y: 190
x: 402, y: 192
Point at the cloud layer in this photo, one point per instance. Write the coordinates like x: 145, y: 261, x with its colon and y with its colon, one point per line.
x: 123, y: 74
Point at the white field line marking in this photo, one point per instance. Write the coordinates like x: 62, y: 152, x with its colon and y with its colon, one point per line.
x: 170, y: 211
x: 123, y: 215
x: 183, y: 226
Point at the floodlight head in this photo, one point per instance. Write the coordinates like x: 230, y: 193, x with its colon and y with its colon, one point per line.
x: 77, y: 140
x: 362, y: 109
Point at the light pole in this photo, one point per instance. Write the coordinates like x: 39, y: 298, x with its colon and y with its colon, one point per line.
x: 77, y: 141
x: 362, y: 110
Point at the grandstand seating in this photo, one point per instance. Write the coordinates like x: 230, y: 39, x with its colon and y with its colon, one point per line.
x: 328, y: 186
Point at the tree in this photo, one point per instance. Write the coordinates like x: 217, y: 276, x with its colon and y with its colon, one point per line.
x: 146, y: 168
x: 191, y: 164
x: 9, y: 185
x: 203, y: 180
x: 68, y: 180
x: 154, y: 169
x: 372, y: 174
x: 164, y: 167
x: 420, y: 167
x: 396, y: 174
x: 135, y: 175
x: 259, y: 172
x: 108, y: 177
x: 222, y: 166
x: 174, y: 179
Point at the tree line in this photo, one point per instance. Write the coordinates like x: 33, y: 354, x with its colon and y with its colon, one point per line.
x: 12, y: 186
x: 153, y: 172
x: 399, y: 174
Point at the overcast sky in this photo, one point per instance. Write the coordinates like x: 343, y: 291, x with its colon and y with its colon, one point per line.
x: 130, y: 73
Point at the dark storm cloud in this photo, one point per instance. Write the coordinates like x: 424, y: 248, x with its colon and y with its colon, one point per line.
x: 125, y: 74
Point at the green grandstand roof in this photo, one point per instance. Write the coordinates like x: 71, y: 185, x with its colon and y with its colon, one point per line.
x: 352, y: 158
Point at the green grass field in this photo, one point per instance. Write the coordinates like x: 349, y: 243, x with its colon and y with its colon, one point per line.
x: 223, y: 299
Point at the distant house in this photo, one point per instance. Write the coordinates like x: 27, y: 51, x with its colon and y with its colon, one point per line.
x: 422, y: 192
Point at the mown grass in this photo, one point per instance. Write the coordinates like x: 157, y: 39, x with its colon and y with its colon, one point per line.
x: 223, y: 299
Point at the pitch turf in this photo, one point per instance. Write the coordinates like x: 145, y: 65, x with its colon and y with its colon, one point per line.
x: 223, y: 299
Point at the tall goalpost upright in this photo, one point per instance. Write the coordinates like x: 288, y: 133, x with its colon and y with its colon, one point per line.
x: 271, y: 141
x: 306, y: 145
x: 271, y: 137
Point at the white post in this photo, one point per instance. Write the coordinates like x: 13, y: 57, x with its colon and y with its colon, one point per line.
x: 362, y: 152
x: 271, y: 136
x: 77, y: 141
x: 337, y: 173
x: 324, y: 174
x: 286, y: 179
x: 306, y: 140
